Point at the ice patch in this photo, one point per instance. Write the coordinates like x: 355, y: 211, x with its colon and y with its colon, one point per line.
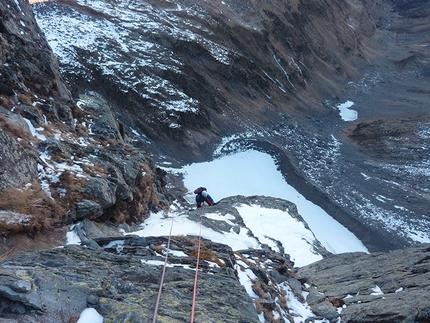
x: 72, y: 237
x: 346, y: 113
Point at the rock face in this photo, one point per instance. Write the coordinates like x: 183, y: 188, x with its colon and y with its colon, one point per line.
x: 18, y: 167
x: 73, y: 155
x: 120, y: 276
x: 58, y: 284
x: 380, y: 287
x: 27, y: 62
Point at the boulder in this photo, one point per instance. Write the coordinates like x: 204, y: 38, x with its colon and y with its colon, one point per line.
x: 17, y: 165
x: 102, y: 190
x: 379, y: 287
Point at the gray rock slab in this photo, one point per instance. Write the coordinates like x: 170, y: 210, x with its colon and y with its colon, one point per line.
x: 56, y: 285
x: 379, y: 287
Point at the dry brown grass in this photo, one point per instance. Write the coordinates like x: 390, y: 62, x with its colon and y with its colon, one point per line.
x: 268, y: 313
x: 73, y: 186
x: 263, y: 290
x: 121, y: 217
x: 7, y: 254
x: 337, y: 302
x: 107, y: 142
x: 77, y: 112
x: 25, y: 98
x: 258, y: 307
x: 205, y: 253
x: 5, y: 102
x: 18, y: 247
x: 81, y: 131
x: 143, y: 196
x: 95, y: 170
x: 31, y: 210
x: 159, y: 249
x: 270, y: 317
x: 259, y: 288
x: 53, y: 127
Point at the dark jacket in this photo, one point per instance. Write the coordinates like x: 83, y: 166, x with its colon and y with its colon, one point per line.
x: 201, y: 199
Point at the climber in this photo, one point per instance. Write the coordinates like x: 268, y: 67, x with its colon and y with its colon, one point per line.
x: 203, y: 196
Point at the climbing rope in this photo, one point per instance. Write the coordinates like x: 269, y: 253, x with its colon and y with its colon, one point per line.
x: 162, y: 275
x: 197, y: 270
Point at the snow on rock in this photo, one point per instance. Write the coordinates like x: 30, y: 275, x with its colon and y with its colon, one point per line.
x: 90, y: 315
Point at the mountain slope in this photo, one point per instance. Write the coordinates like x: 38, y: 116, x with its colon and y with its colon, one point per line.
x: 200, y: 70
x: 62, y: 160
x: 267, y: 76
x: 195, y: 72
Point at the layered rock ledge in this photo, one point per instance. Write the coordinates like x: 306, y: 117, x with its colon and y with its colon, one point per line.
x: 379, y: 287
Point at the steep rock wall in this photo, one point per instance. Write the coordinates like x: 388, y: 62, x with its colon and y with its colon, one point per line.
x: 61, y: 159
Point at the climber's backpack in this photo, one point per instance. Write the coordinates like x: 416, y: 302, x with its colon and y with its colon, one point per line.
x: 199, y: 190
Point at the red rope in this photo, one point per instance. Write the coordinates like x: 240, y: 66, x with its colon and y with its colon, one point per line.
x: 162, y: 276
x: 197, y: 271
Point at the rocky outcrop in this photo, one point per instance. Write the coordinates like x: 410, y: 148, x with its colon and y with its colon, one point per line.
x: 67, y: 159
x: 18, y: 167
x: 27, y: 61
x: 119, y: 276
x: 57, y: 285
x: 379, y: 287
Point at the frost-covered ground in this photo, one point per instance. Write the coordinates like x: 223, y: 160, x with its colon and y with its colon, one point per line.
x: 123, y: 29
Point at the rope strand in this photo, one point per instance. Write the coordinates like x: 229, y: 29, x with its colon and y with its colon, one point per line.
x: 197, y: 270
x: 162, y: 275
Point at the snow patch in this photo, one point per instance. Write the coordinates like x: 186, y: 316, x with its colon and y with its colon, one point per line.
x: 346, y: 113
x: 376, y: 291
x: 90, y: 315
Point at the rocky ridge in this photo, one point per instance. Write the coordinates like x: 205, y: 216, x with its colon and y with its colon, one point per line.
x: 378, y: 287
